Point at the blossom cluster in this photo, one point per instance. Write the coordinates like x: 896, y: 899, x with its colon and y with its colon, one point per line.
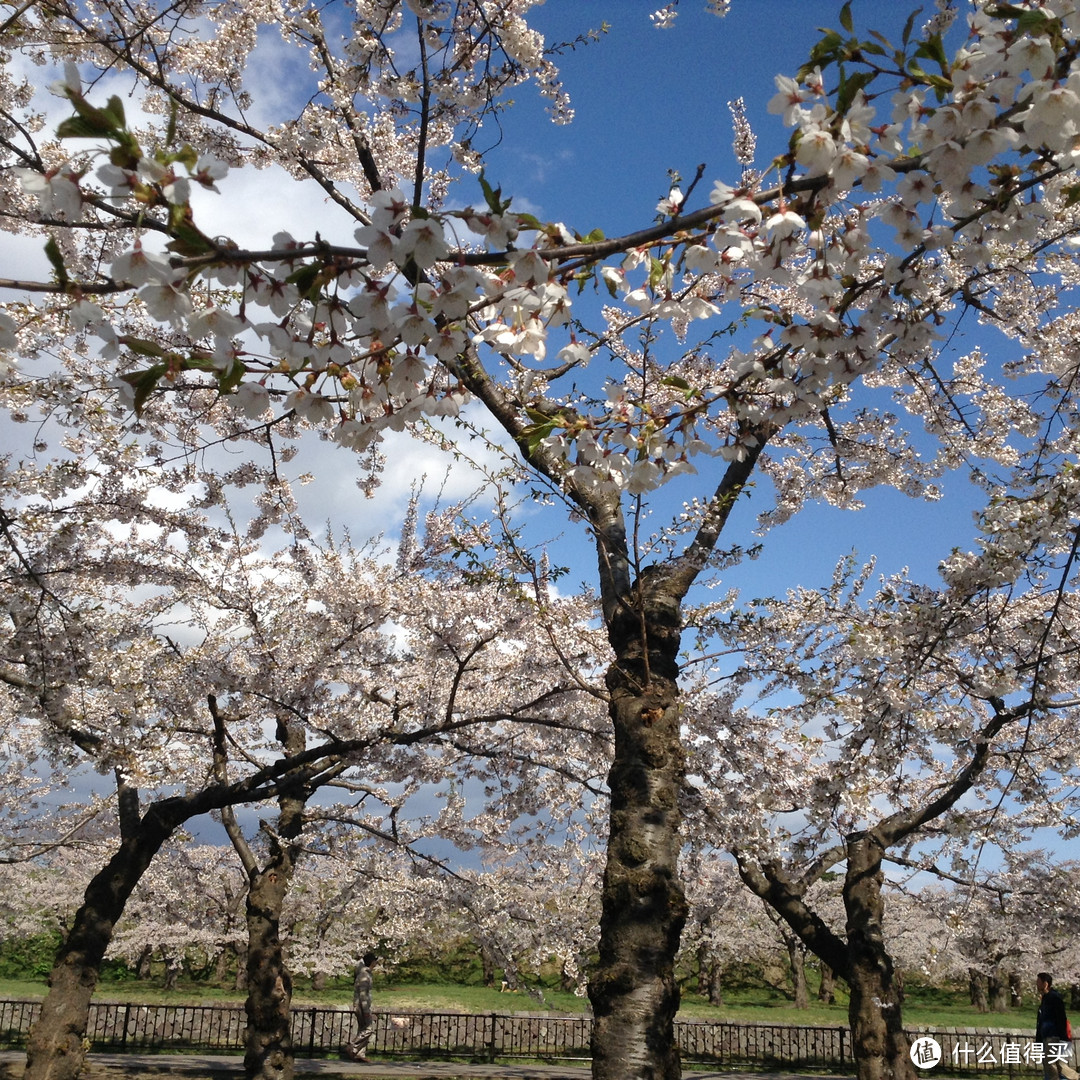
x: 891, y: 211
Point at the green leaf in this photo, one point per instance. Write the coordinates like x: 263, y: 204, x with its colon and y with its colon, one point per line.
x: 114, y: 112
x: 232, y: 378
x: 493, y: 197
x: 56, y: 260
x: 845, y: 18
x: 933, y: 49
x: 537, y: 433
x: 1033, y: 22
x: 306, y: 279
x: 657, y: 269
x: 940, y: 83
x: 144, y: 383
x: 186, y: 155
x: 1072, y: 195
x: 675, y: 380
x: 849, y: 87
x: 142, y: 347
x: 908, y: 26
x: 80, y: 127
x: 528, y: 221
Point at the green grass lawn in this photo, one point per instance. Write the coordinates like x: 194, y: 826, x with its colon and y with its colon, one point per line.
x: 931, y: 1009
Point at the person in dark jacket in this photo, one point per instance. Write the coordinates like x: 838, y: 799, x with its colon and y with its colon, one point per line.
x: 1050, y: 1030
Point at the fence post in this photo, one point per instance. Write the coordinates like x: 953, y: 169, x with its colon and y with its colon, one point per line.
x: 491, y: 1041
x: 843, y: 1032
x: 123, y: 1036
x: 311, y: 1033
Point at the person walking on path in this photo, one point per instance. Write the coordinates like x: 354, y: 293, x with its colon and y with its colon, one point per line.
x: 1051, y: 1029
x: 356, y: 1050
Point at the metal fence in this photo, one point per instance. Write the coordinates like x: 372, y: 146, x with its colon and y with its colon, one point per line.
x: 319, y: 1031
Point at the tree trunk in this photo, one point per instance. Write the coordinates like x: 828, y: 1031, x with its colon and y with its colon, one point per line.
x: 716, y: 985
x: 142, y: 966
x: 174, y: 965
x: 702, y: 970
x: 221, y: 965
x: 797, y: 960
x: 1016, y: 990
x: 633, y: 989
x: 56, y: 1048
x: 827, y: 985
x: 997, y: 986
x: 487, y: 963
x: 880, y: 1046
x: 977, y: 990
x: 268, y: 1041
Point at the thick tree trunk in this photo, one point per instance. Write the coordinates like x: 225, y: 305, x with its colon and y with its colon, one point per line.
x: 633, y: 990
x: 487, y: 963
x: 997, y: 986
x: 142, y: 966
x: 1016, y: 990
x: 797, y: 961
x: 174, y: 966
x: 56, y: 1048
x: 716, y: 985
x: 977, y: 990
x: 702, y: 971
x: 268, y: 1039
x: 881, y: 1048
x: 827, y: 986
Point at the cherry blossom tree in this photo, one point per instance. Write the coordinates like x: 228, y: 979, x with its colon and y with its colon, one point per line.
x: 926, y: 724
x: 177, y: 654
x: 924, y: 181
x: 1004, y: 924
x: 187, y: 910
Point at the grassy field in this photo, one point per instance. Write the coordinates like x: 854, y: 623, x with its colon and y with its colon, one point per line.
x: 923, y: 1008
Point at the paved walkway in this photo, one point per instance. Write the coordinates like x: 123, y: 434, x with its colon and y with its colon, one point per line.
x: 202, y: 1065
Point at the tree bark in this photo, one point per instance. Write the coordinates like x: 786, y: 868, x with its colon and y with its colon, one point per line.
x: 142, y: 967
x: 827, y: 985
x: 881, y: 1049
x: 633, y: 989
x: 977, y: 990
x: 997, y: 986
x: 797, y: 961
x: 487, y: 963
x: 716, y: 984
x: 56, y: 1048
x: 269, y: 1052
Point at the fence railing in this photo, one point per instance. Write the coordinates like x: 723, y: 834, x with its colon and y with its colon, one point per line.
x: 319, y: 1030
